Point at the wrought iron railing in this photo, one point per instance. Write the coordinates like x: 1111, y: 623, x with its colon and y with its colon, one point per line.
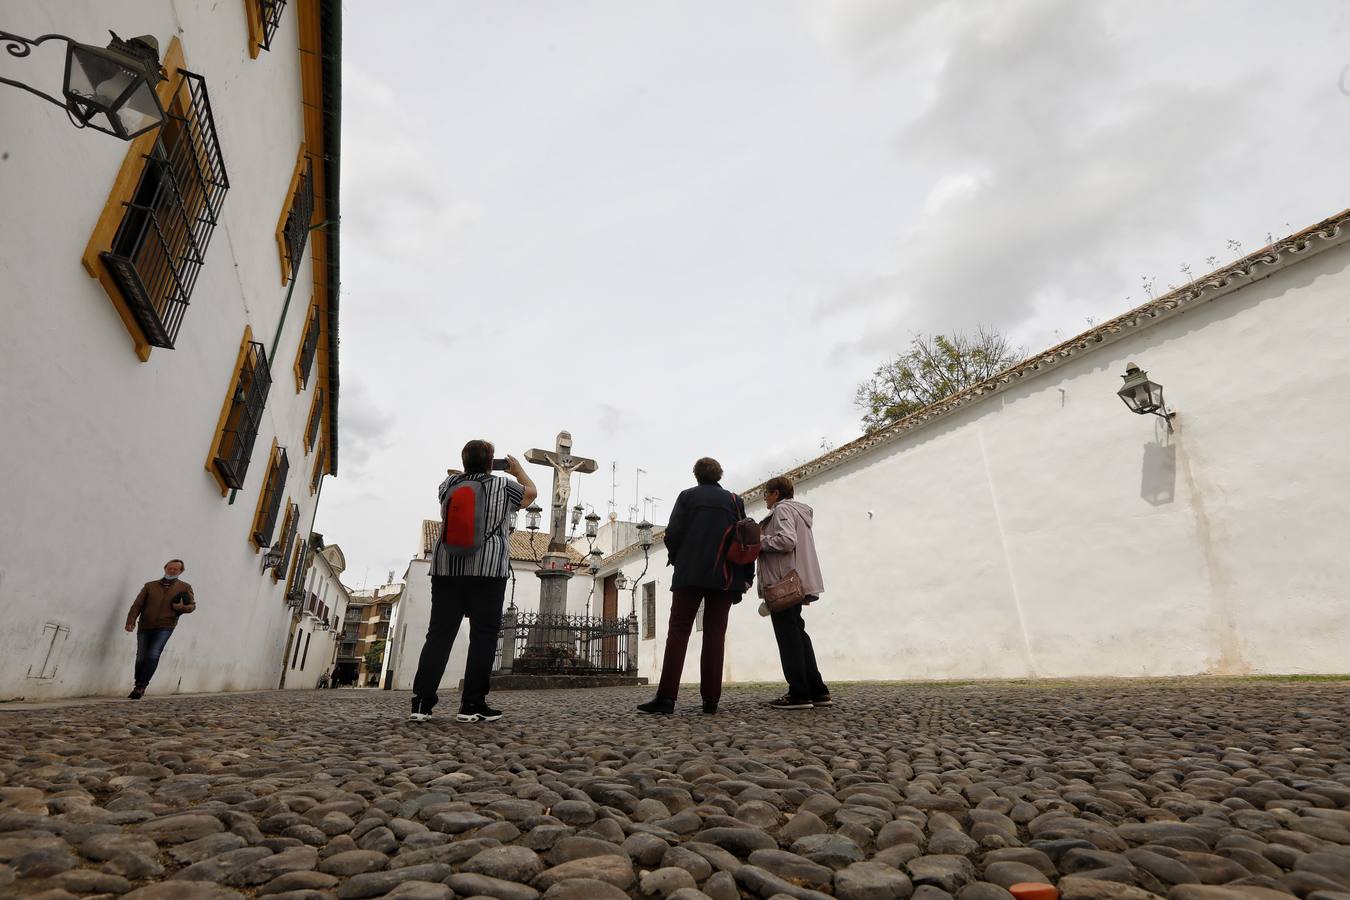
x: 269, y: 12
x: 297, y: 220
x: 160, y: 245
x: 308, y: 349
x: 271, y: 501
x: 532, y: 643
x: 244, y: 417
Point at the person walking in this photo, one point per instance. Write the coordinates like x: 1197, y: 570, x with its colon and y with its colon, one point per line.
x: 153, y: 616
x: 469, y: 569
x: 787, y: 544
x: 696, y: 537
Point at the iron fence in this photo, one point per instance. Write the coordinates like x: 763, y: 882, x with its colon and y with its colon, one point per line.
x: 532, y: 643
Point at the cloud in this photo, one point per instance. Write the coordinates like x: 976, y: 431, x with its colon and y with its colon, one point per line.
x: 1047, y: 152
x: 366, y: 427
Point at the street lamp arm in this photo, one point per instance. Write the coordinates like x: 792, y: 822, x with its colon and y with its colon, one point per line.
x: 19, y: 46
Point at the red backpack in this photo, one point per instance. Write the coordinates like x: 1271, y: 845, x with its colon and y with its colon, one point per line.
x: 742, y: 537
x: 464, y: 518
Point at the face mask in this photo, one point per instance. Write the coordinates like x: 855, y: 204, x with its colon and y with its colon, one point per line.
x: 170, y: 577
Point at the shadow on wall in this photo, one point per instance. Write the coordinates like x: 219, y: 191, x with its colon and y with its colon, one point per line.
x: 1158, y: 475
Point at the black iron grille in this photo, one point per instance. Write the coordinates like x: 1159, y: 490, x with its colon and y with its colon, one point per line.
x: 271, y: 501
x: 315, y: 417
x: 246, y: 409
x: 307, y: 350
x: 297, y: 220
x: 269, y: 11
x: 566, y: 645
x: 318, y: 468
x: 161, y: 242
x: 288, y: 541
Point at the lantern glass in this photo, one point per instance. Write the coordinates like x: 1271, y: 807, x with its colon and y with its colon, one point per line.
x: 592, y: 525
x: 595, y: 557
x: 644, y: 531
x: 1139, y: 393
x: 620, y: 580
x: 576, y: 514
x: 532, y: 517
x: 116, y: 85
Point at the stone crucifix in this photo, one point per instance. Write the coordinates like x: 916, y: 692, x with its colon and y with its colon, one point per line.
x: 564, y: 464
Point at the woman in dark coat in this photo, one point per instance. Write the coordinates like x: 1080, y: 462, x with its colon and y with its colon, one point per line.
x: 695, y: 535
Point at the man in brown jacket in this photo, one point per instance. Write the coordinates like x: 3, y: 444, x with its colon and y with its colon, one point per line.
x: 158, y: 606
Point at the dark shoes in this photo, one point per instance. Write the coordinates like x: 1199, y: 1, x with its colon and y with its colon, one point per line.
x: 658, y: 706
x: 709, y: 709
x: 137, y: 692
x: 478, y: 712
x: 421, y: 710
x: 822, y: 700
x: 787, y: 701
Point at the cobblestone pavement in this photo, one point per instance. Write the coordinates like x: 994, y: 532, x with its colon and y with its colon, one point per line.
x: 1187, y: 789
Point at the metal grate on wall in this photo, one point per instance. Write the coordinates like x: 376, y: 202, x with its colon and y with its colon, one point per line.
x: 271, y: 501
x: 246, y: 409
x: 298, y: 219
x: 160, y: 245
x: 269, y: 12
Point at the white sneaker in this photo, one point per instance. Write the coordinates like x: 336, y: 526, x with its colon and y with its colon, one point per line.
x: 418, y: 717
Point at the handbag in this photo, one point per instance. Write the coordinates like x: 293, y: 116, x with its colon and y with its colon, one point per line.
x: 785, y: 594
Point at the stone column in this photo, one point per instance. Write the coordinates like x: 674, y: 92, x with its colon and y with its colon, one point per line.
x: 508, y: 633
x: 553, y: 579
x: 632, y: 642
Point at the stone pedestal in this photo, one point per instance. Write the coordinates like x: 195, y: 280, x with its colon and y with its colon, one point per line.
x: 553, y: 579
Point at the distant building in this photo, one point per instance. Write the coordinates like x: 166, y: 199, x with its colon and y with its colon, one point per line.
x: 319, y: 609
x: 364, y: 640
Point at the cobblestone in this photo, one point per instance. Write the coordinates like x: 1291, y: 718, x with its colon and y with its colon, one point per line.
x: 1188, y: 789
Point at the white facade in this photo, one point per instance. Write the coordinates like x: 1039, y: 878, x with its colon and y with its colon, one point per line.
x: 1043, y: 530
x: 104, y: 455
x: 318, y: 622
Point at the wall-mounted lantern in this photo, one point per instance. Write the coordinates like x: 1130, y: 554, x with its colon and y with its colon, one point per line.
x: 110, y: 89
x: 620, y: 580
x: 1143, y: 395
x: 272, y: 558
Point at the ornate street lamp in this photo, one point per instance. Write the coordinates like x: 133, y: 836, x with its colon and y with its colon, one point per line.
x: 593, y: 560
x: 1142, y: 395
x: 576, y: 516
x: 644, y: 530
x: 272, y: 558
x: 620, y: 580
x: 110, y: 89
x: 592, y: 525
x: 532, y: 513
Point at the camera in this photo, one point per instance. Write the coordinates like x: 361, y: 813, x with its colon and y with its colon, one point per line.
x: 500, y: 465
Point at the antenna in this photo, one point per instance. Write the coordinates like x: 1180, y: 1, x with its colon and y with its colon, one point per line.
x: 613, y: 486
x: 637, y: 481
x: 653, y: 501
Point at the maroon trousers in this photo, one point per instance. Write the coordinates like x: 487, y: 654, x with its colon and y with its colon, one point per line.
x: 683, y: 609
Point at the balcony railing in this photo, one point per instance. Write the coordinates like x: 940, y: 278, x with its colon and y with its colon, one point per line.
x: 245, y: 415
x: 298, y: 219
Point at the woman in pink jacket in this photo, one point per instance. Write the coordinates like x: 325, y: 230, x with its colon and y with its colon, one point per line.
x: 788, y: 544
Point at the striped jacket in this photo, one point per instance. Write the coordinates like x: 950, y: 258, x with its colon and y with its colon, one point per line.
x: 493, y: 559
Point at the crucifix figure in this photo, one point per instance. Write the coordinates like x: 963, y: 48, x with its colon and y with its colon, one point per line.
x: 564, y: 464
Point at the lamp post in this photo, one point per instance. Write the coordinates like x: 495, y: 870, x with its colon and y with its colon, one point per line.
x: 1142, y: 395
x: 644, y: 530
x: 109, y: 89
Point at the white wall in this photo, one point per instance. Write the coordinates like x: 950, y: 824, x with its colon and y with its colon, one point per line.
x: 1049, y: 532
x: 103, y: 454
x: 317, y: 644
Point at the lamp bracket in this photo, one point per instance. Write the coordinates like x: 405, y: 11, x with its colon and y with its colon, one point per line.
x: 19, y: 46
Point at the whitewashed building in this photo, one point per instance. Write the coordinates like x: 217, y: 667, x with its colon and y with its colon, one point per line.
x: 319, y: 611
x: 169, y: 352
x: 1032, y: 526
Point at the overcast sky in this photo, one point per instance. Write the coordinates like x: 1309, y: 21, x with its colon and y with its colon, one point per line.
x: 689, y: 228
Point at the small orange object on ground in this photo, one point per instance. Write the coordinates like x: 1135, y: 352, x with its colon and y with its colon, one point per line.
x: 1034, y: 890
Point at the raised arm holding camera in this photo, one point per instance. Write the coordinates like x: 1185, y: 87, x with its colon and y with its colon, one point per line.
x: 469, y: 570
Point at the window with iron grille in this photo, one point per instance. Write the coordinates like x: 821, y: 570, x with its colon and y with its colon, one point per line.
x: 288, y: 526
x: 295, y: 578
x: 318, y: 468
x: 247, y: 400
x: 161, y: 243
x: 304, y: 657
x: 315, y: 417
x: 308, y: 347
x: 269, y: 17
x: 649, y: 611
x: 295, y: 232
x: 270, y: 502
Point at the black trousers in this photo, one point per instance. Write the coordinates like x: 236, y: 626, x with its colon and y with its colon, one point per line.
x: 797, y: 655
x: 452, y: 598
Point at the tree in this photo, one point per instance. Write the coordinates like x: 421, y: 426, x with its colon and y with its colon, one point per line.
x: 374, y: 657
x: 934, y: 367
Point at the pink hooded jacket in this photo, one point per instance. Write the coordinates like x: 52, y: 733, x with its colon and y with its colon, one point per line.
x: 786, y: 544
